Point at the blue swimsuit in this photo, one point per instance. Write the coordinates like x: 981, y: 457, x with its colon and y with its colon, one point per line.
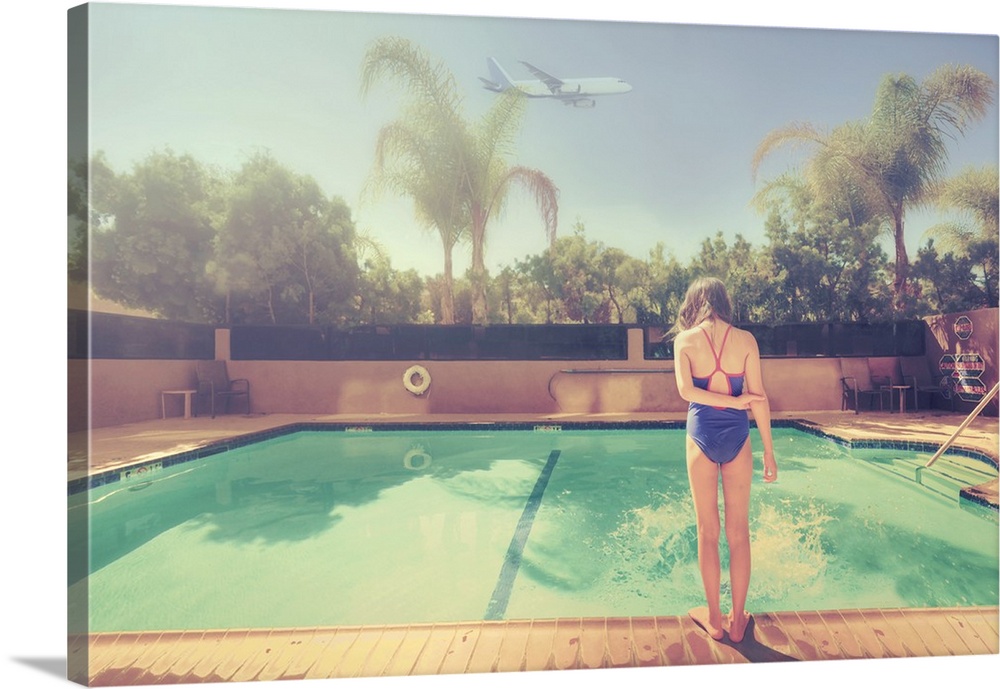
x: 720, y: 432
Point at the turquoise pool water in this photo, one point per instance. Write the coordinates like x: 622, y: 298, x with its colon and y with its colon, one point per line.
x: 327, y: 528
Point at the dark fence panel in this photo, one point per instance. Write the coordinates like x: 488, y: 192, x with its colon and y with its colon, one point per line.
x: 287, y: 342
x: 905, y: 338
x: 114, y: 336
x: 432, y: 342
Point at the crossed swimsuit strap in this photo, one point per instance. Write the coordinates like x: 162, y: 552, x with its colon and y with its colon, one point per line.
x: 718, y: 357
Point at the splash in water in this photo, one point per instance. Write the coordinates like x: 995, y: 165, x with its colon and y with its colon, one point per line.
x: 787, y: 547
x: 657, y: 545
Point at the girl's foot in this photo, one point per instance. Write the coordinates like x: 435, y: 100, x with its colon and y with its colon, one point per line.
x: 703, y: 619
x: 738, y: 627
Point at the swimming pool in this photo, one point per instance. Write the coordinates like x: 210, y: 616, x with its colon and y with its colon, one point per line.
x: 319, y: 528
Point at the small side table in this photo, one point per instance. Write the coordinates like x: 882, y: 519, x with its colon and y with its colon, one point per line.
x: 188, y: 395
x: 902, y: 396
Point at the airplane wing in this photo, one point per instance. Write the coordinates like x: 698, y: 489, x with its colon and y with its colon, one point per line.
x: 554, y: 83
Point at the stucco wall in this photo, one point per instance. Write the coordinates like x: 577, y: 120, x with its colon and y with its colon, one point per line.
x: 125, y: 391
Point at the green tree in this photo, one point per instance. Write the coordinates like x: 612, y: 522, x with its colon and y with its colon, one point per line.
x: 389, y: 296
x: 285, y: 252
x: 747, y: 271
x: 152, y: 234
x: 946, y: 281
x: 666, y: 281
x: 79, y: 213
x: 577, y: 276
x: 456, y: 172
x: 888, y: 162
x: 975, y: 233
x: 541, y: 285
x: 622, y: 278
x: 826, y: 266
x: 827, y: 271
x: 505, y: 283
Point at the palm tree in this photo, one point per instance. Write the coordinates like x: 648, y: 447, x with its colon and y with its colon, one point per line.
x: 892, y: 159
x: 973, y: 194
x: 456, y: 173
x: 407, y: 162
x: 488, y: 181
x: 414, y: 156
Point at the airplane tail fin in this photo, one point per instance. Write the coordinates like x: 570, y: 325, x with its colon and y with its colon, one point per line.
x: 490, y: 86
x: 498, y: 75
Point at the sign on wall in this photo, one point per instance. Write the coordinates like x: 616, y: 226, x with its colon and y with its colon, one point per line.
x: 963, y: 327
x: 962, y: 373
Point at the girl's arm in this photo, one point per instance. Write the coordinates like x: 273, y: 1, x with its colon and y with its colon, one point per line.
x: 760, y: 408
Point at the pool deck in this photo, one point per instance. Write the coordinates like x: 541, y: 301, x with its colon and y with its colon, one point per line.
x: 116, y: 659
x: 527, y: 645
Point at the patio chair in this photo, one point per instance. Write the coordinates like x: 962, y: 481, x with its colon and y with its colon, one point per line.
x: 214, y: 382
x: 916, y: 372
x: 858, y: 383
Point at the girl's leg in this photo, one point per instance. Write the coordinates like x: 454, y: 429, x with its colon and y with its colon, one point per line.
x: 703, y: 476
x: 736, y: 477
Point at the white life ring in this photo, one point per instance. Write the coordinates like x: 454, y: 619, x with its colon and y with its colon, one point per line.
x: 423, y: 382
x: 415, y: 453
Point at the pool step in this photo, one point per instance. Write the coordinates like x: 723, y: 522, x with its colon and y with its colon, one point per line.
x: 947, y: 476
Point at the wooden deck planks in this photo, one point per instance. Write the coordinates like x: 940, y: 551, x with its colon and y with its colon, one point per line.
x: 618, y: 642
x: 978, y: 634
x: 513, y: 646
x: 592, y: 642
x: 519, y: 645
x: 407, y: 652
x: 538, y: 652
x: 768, y: 631
x: 384, y: 651
x: 866, y: 636
x: 439, y: 640
x: 486, y: 653
x: 219, y: 647
x: 566, y: 643
x: 845, y: 637
x: 356, y: 655
x: 458, y: 655
x: 898, y: 627
x: 673, y: 651
x: 821, y: 641
x: 333, y: 653
x: 147, y: 660
x: 646, y: 642
x: 313, y: 648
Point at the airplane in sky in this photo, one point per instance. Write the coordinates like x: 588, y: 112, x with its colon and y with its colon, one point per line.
x: 579, y: 93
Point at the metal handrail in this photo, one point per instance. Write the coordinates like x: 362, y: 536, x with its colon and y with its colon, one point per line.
x: 975, y: 412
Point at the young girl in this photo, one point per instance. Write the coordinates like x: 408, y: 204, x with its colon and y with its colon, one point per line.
x: 717, y: 368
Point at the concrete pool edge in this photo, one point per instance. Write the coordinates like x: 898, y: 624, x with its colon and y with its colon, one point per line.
x: 167, y: 657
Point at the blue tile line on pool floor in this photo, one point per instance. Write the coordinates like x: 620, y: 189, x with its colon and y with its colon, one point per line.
x: 512, y: 560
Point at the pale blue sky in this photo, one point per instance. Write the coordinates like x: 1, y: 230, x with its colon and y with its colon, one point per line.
x: 668, y: 162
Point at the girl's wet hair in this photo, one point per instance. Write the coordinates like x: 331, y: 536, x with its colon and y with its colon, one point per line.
x: 705, y: 298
